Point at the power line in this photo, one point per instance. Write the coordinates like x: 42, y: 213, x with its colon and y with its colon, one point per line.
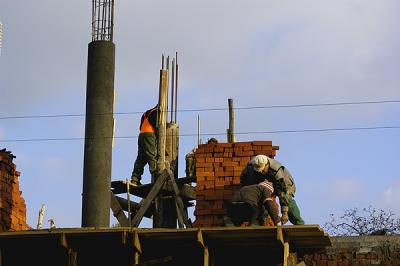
x: 221, y: 134
x: 211, y: 109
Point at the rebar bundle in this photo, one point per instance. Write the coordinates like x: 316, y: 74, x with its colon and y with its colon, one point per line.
x: 102, y: 20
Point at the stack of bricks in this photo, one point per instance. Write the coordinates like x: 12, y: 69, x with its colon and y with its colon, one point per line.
x: 218, y: 170
x: 12, y: 204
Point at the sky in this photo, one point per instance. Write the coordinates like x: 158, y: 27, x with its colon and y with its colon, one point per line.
x: 260, y: 53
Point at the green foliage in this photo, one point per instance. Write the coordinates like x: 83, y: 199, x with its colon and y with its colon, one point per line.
x: 368, y: 221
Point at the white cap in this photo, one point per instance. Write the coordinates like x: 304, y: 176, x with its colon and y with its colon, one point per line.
x: 259, y: 162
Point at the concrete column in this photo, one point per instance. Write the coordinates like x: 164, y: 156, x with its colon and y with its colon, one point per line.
x: 98, y: 134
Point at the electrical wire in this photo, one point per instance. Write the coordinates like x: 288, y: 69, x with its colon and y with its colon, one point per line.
x: 211, y: 109
x: 220, y: 134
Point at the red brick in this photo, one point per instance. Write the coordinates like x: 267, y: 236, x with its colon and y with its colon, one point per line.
x: 242, y: 144
x: 230, y: 163
x: 269, y: 154
x: 218, y: 149
x: 224, y: 145
x: 210, y: 184
x: 244, y: 153
x: 228, y: 168
x: 218, y: 160
x: 266, y: 143
x: 209, y: 160
x: 200, y: 160
x: 202, y: 155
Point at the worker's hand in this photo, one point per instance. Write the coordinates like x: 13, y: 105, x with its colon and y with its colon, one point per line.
x: 284, y: 218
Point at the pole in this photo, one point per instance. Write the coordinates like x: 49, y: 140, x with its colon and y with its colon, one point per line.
x: 198, y: 129
x: 172, y: 90
x: 99, y: 120
x: 161, y: 142
x: 230, y: 131
x: 176, y: 86
x: 98, y: 135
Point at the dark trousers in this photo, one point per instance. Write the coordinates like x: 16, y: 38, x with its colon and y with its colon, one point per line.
x: 147, y: 152
x: 240, y: 212
x: 294, y: 212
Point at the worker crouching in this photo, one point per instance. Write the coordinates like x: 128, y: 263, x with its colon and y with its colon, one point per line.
x: 262, y: 168
x: 251, y: 204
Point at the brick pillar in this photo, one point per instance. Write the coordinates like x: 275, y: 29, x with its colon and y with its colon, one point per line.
x: 218, y: 169
x: 12, y: 204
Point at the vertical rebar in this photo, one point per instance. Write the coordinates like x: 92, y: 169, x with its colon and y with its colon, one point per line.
x: 102, y: 20
x: 172, y: 90
x: 198, y: 129
x: 176, y: 86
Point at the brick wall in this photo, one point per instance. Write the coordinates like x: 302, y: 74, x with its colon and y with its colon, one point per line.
x: 358, y: 251
x: 12, y: 204
x: 218, y: 169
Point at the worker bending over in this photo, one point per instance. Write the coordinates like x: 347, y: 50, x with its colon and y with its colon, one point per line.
x: 262, y: 168
x: 252, y: 203
x: 147, y: 146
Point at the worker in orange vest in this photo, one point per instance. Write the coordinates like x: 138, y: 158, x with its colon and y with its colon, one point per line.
x: 147, y: 146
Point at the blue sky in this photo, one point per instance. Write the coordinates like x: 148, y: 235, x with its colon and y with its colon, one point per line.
x: 260, y: 53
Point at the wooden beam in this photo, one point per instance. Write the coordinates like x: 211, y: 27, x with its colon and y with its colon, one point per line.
x: 181, y: 208
x: 206, y: 254
x: 134, y: 207
x: 230, y: 130
x: 72, y: 255
x: 118, y: 212
x: 145, y: 203
x: 160, y: 261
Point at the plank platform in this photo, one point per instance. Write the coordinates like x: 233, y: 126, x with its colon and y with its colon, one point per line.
x: 130, y: 246
x: 188, y: 192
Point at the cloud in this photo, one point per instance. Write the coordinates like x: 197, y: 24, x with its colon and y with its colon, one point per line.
x: 346, y: 188
x: 391, y: 197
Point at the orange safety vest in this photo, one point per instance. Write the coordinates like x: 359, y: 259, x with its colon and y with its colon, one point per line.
x: 146, y: 127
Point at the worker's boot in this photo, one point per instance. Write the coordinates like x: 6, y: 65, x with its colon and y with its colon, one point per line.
x: 135, y: 181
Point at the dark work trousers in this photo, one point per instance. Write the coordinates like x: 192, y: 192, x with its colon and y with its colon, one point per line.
x: 240, y: 212
x: 147, y: 153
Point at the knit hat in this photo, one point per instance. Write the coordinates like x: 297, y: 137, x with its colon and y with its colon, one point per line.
x: 267, y: 185
x: 259, y: 162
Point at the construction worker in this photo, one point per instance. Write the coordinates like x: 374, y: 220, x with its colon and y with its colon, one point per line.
x: 147, y: 146
x: 249, y: 204
x: 190, y: 159
x: 262, y: 168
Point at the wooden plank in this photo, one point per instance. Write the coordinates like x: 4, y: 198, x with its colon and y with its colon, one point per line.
x: 180, y: 207
x: 134, y: 207
x: 206, y: 256
x: 118, y: 211
x: 160, y: 261
x: 145, y: 203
